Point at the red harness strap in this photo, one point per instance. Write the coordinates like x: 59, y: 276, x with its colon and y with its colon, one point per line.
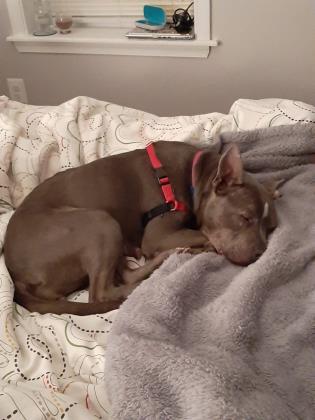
x: 169, y: 197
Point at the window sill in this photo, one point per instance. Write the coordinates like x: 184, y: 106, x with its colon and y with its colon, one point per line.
x: 110, y: 41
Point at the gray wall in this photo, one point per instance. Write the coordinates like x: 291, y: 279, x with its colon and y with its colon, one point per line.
x: 267, y: 50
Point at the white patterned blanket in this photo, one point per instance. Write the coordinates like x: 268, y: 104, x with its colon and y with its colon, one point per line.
x: 52, y: 366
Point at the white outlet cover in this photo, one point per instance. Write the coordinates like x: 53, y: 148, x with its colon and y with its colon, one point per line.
x: 17, y: 90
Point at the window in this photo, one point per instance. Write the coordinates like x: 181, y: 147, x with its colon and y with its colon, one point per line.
x: 102, y: 9
x: 100, y: 27
x: 111, y: 13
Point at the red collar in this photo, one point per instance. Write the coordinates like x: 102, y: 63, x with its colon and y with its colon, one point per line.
x: 170, y: 202
x: 164, y: 181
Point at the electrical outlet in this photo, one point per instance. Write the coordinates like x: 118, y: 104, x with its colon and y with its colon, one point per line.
x: 17, y: 91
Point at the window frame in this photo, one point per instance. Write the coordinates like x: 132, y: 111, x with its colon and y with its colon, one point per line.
x: 110, y: 41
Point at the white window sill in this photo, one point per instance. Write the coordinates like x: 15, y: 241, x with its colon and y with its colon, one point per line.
x: 110, y: 41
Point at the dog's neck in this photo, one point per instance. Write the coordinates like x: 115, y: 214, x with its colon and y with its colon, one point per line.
x: 193, y: 168
x: 203, y: 171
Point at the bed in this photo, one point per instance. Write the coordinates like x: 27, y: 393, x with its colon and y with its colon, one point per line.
x: 64, y: 367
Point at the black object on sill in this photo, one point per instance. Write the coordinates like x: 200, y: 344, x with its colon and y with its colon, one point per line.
x: 182, y: 20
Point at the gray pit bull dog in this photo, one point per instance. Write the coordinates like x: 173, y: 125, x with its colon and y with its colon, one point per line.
x: 75, y: 229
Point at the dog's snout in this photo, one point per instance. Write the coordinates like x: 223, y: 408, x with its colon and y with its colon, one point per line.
x: 254, y: 256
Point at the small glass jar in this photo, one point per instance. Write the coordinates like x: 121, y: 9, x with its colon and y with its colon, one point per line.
x: 43, y: 19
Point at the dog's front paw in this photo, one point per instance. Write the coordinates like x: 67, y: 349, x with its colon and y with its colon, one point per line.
x: 199, y: 250
x: 182, y: 250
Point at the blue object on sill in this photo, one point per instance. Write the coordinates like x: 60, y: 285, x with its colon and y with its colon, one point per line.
x: 154, y: 18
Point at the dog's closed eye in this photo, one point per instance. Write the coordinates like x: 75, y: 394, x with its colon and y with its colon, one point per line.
x: 246, y: 218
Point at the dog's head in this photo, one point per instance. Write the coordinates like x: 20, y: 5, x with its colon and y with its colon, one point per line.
x: 234, y: 211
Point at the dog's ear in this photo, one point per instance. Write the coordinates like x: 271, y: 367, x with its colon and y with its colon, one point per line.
x: 230, y: 170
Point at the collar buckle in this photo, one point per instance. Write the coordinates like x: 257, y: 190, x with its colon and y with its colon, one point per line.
x: 164, y: 180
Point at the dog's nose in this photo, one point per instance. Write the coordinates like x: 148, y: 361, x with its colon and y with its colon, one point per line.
x: 254, y: 258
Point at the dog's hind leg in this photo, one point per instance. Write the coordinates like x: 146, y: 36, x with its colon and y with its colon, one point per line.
x: 70, y: 248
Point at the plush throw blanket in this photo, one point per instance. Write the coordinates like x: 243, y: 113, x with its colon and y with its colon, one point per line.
x: 53, y: 366
x: 204, y: 339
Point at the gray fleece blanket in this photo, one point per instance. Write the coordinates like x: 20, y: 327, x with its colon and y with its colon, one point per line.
x: 205, y: 339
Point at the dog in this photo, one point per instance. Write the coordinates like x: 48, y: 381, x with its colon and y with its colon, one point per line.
x: 76, y: 228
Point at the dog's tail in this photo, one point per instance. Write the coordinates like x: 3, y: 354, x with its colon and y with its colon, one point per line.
x: 63, y: 306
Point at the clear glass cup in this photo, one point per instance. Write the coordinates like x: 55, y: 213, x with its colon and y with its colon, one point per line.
x: 63, y: 22
x: 43, y: 19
